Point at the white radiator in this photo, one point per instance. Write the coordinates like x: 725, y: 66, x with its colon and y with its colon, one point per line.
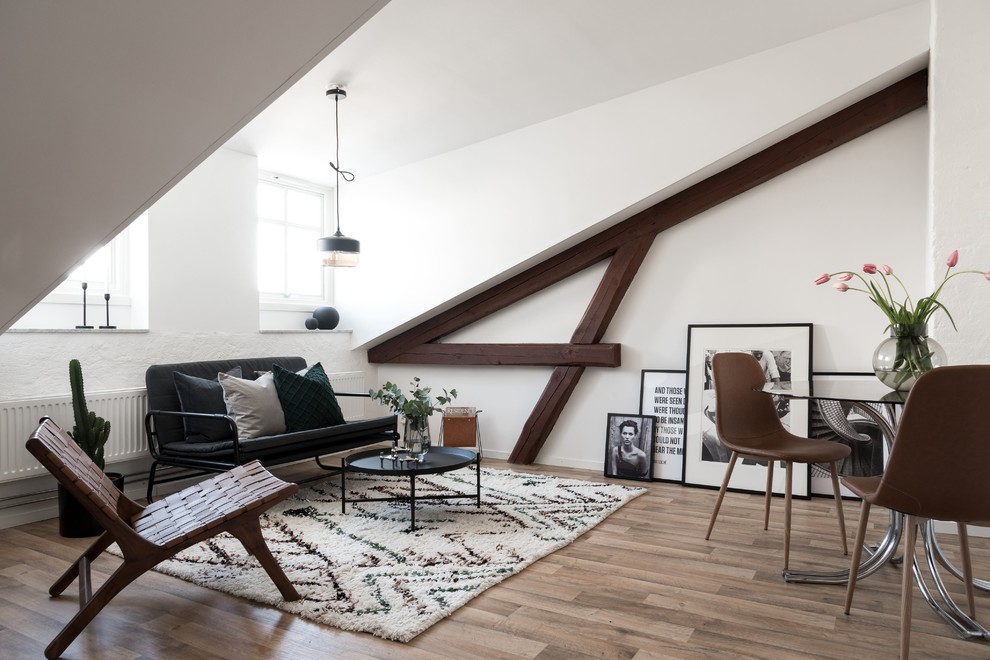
x: 18, y: 419
x: 125, y: 409
x: 350, y: 381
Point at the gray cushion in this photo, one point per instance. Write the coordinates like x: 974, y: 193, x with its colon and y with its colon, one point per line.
x: 254, y: 405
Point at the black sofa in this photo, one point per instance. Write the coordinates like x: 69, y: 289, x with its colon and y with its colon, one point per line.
x: 166, y: 431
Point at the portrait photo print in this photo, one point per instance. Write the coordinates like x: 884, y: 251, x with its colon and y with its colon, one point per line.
x: 629, y: 446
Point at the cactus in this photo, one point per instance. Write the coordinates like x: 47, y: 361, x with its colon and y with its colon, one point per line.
x: 90, y: 432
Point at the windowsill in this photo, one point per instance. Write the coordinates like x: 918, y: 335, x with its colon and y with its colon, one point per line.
x: 97, y: 330
x: 302, y: 331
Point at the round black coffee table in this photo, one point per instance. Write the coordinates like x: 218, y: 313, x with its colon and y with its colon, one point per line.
x: 436, y: 461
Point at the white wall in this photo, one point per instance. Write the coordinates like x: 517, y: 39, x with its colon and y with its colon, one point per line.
x: 458, y: 220
x: 960, y: 186
x: 751, y: 260
x: 203, y: 293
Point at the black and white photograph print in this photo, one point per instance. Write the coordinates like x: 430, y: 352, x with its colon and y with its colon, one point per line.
x: 784, y: 352
x: 629, y: 442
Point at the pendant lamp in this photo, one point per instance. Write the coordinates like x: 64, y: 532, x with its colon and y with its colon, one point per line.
x: 338, y: 250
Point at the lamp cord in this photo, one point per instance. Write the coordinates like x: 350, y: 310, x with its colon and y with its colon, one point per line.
x: 347, y: 176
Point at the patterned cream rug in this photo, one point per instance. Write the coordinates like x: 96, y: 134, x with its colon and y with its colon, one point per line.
x: 364, y: 571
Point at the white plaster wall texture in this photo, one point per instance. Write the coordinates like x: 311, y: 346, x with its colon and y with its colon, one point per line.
x: 37, y: 364
x: 960, y: 174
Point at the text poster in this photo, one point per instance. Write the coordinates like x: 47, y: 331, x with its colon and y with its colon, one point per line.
x: 662, y: 395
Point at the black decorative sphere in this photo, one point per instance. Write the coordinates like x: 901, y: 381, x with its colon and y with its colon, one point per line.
x: 327, y: 318
x: 312, y: 323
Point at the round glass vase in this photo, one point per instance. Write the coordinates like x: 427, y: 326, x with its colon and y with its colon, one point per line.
x: 906, y: 354
x: 416, y: 437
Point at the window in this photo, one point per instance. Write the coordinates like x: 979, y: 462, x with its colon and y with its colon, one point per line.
x: 292, y: 216
x: 105, y: 271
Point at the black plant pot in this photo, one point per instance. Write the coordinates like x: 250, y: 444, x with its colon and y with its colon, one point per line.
x: 74, y: 521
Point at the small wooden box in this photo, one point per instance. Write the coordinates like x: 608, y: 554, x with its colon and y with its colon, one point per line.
x: 460, y: 428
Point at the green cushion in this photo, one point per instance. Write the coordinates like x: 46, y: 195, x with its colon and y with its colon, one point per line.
x: 308, y: 400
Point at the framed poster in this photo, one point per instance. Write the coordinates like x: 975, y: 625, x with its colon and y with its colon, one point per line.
x: 629, y: 443
x: 662, y: 395
x: 852, y: 425
x: 784, y: 351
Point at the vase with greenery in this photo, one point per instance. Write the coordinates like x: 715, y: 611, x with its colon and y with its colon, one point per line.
x: 91, y: 433
x: 908, y: 352
x: 416, y: 408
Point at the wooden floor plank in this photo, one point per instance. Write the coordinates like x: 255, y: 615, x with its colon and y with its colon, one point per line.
x: 642, y: 585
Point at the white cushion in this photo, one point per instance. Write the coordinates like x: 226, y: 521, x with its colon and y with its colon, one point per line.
x: 254, y: 405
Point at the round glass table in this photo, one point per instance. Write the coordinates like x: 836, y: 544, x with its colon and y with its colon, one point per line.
x: 384, y: 463
x: 881, y: 404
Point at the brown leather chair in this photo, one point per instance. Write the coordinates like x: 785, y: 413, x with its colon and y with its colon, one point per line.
x: 230, y: 502
x: 939, y: 469
x: 747, y: 424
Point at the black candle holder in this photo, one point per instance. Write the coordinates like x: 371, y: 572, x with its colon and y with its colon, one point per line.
x: 106, y: 296
x: 84, y: 326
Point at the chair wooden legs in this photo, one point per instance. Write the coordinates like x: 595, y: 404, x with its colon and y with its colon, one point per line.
x: 864, y: 519
x: 787, y: 514
x: 768, y: 496
x: 249, y: 534
x: 123, y: 576
x: 838, y: 506
x: 967, y: 567
x: 721, y: 493
x: 907, y: 584
x: 92, y: 552
x: 907, y: 572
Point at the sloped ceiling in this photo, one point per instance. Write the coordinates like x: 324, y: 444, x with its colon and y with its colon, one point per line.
x: 108, y: 103
x: 425, y: 77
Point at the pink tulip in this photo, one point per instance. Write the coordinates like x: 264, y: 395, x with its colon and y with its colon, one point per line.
x: 842, y: 287
x: 822, y: 279
x: 845, y: 277
x: 887, y: 270
x: 870, y: 269
x: 987, y: 275
x: 953, y: 259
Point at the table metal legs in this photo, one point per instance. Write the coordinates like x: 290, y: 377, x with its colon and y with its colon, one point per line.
x: 964, y: 625
x: 876, y: 556
x: 412, y: 494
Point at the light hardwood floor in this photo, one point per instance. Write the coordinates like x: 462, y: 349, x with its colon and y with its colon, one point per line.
x: 643, y: 584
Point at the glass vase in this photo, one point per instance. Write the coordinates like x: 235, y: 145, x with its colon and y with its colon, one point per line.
x: 417, y: 437
x: 906, y: 354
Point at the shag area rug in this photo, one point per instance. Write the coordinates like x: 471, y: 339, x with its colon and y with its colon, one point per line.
x: 364, y: 571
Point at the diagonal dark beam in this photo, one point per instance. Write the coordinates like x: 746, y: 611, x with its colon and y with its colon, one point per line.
x: 615, y: 282
x: 627, y: 244
x: 858, y: 119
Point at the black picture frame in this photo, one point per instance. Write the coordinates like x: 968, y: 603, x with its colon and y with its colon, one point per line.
x: 785, y: 349
x: 869, y: 450
x: 635, y: 459
x: 662, y: 395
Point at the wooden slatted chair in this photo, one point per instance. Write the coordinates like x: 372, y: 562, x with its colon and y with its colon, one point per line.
x: 230, y: 502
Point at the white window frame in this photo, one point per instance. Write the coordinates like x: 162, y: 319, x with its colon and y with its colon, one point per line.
x: 299, y: 302
x: 116, y: 282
